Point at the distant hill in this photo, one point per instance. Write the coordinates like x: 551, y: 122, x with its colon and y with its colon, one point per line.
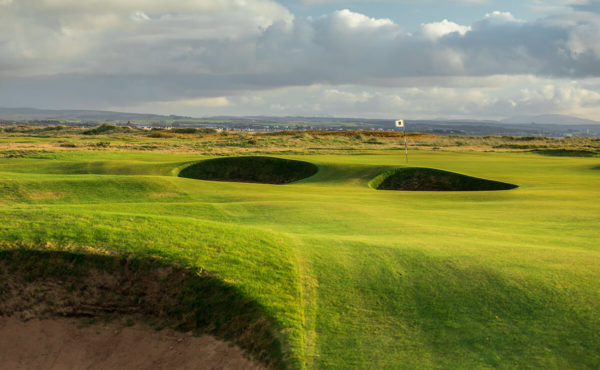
x: 553, y: 125
x: 550, y: 119
x: 77, y: 115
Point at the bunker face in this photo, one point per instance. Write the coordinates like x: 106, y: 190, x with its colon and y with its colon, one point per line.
x: 58, y: 285
x: 428, y: 179
x: 265, y: 170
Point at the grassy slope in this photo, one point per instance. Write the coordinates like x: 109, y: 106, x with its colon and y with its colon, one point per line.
x: 388, y: 279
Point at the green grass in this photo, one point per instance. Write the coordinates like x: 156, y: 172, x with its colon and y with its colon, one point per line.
x: 352, y: 277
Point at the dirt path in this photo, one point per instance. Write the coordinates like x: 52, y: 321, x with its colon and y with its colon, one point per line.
x: 64, y: 344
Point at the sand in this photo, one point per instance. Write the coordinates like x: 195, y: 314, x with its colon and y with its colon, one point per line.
x: 65, y: 343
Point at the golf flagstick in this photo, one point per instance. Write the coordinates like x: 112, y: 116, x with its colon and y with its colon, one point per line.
x: 400, y: 123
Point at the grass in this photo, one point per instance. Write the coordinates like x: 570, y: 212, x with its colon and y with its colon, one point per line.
x: 107, y: 137
x: 351, y: 277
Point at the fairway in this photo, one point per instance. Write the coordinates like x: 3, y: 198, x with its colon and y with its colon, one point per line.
x: 350, y: 276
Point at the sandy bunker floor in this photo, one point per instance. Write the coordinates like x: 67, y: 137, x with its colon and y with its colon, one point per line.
x: 65, y: 344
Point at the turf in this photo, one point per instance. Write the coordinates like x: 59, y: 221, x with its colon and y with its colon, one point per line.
x: 352, y: 277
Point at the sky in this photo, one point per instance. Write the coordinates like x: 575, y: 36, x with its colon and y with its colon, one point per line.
x: 460, y: 59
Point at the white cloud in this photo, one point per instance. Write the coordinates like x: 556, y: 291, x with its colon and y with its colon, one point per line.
x: 437, y: 30
x: 501, y: 17
x: 220, y: 101
x: 349, y: 19
x: 508, y: 98
x: 511, y: 99
x: 275, y: 49
x: 139, y: 16
x: 583, y: 39
x: 41, y: 37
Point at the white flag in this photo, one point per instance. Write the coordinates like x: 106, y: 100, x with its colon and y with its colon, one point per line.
x: 400, y: 123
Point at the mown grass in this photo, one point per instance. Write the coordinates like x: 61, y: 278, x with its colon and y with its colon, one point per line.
x: 351, y: 276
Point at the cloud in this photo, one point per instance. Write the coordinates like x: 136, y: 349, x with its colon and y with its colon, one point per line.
x: 231, y: 39
x: 220, y: 101
x: 347, y: 19
x: 208, y: 55
x: 587, y: 6
x: 437, y: 30
x: 40, y: 37
x: 500, y: 17
x: 139, y: 16
x: 584, y: 41
x: 510, y: 96
x: 322, y: 2
x: 538, y: 95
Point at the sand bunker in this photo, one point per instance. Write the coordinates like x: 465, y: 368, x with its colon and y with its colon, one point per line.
x: 66, y: 344
x: 136, y: 297
x: 429, y: 179
x: 264, y: 170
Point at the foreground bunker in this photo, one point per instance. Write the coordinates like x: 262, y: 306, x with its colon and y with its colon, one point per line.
x: 57, y: 285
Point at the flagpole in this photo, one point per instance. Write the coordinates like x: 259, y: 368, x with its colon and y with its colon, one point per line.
x: 405, y: 145
x: 400, y: 123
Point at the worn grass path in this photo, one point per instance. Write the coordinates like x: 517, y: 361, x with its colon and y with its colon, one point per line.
x: 354, y: 277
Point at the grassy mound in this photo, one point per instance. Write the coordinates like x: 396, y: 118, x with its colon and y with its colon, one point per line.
x: 265, y: 170
x: 429, y: 179
x: 107, y: 128
x: 44, y: 284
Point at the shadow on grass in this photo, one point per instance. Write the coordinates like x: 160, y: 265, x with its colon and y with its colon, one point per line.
x: 41, y: 284
x: 503, y: 320
x: 567, y: 152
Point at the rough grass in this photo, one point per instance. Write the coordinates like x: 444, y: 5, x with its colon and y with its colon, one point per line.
x: 264, y: 170
x: 352, y: 133
x: 429, y: 179
x: 207, y: 142
x: 107, y: 128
